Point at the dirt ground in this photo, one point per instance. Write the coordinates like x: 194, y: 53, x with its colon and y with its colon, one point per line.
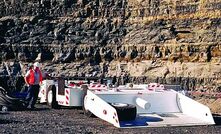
x: 72, y: 120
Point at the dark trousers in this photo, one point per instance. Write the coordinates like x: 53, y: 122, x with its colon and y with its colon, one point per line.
x: 32, y: 96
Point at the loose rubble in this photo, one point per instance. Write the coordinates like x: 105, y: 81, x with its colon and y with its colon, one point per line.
x: 72, y: 120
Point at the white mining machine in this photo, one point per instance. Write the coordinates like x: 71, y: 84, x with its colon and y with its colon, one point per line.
x: 147, y: 105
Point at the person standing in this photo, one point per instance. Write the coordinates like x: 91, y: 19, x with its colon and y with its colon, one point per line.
x: 33, y: 79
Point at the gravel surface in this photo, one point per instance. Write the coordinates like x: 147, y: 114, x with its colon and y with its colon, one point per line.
x: 72, y: 120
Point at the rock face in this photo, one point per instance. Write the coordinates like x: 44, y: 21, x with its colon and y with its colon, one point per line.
x: 160, y: 39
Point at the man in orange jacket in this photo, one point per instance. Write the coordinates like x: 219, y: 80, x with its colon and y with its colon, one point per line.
x: 33, y: 79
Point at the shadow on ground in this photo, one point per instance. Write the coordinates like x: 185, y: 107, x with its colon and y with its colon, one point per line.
x: 3, y: 121
x: 217, y: 119
x: 37, y: 109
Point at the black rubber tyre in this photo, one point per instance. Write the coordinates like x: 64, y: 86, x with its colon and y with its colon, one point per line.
x: 53, y: 103
x: 11, y: 103
x: 87, y: 112
x: 125, y: 112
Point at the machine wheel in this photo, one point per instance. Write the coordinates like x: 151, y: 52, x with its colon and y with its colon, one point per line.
x: 51, y: 97
x: 86, y: 111
x: 6, y: 100
x: 125, y: 112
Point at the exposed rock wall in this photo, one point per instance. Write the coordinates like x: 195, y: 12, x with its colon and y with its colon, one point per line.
x: 83, y: 37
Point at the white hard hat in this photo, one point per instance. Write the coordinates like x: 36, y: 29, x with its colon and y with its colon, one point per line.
x: 36, y: 64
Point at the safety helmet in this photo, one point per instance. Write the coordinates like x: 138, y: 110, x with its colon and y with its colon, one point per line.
x: 36, y: 64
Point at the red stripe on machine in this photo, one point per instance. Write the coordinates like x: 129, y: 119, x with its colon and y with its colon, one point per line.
x: 67, y: 98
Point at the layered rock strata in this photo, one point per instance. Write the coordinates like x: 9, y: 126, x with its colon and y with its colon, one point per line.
x: 154, y: 39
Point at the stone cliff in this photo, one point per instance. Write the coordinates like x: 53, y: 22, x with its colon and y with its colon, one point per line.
x: 169, y: 41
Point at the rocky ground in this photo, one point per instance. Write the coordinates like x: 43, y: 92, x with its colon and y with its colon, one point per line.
x: 72, y: 120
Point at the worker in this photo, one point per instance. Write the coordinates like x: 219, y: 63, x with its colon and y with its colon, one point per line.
x: 33, y: 79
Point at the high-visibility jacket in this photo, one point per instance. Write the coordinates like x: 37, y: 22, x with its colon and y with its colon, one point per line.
x: 31, y: 77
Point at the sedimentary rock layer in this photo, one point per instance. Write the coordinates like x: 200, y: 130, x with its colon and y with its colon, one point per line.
x: 157, y: 38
